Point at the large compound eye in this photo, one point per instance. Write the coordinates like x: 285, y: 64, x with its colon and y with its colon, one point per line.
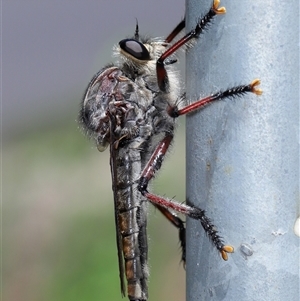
x: 135, y: 48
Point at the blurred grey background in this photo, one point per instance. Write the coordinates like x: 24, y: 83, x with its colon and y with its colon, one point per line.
x: 58, y: 226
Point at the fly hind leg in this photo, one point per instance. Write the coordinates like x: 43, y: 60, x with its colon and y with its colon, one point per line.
x: 151, y: 167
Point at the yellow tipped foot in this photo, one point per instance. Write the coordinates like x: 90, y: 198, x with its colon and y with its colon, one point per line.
x: 225, y: 250
x: 253, y: 85
x: 216, y: 9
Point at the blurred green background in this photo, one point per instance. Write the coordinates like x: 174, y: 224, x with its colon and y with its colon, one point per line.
x: 58, y: 221
x: 58, y: 235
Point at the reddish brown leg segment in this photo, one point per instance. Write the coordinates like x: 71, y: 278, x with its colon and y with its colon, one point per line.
x: 194, y: 213
x: 178, y: 223
x: 148, y: 173
x: 175, y: 32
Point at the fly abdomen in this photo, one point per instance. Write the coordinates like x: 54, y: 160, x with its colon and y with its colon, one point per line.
x: 134, y: 257
x: 131, y: 216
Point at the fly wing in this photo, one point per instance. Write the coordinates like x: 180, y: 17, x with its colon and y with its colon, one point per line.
x: 113, y: 167
x: 130, y: 206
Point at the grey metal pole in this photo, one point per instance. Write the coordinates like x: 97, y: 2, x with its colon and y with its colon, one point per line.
x: 243, y: 154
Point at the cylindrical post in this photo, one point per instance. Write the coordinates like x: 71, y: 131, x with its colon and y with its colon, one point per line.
x: 243, y: 153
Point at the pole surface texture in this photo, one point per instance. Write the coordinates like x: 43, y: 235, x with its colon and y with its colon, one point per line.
x: 243, y: 153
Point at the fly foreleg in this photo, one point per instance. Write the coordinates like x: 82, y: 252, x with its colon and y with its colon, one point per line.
x: 162, y: 77
x: 175, y: 31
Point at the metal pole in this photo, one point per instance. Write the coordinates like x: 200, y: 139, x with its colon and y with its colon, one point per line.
x: 243, y: 154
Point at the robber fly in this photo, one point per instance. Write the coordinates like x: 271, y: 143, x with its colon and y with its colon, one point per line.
x: 132, y: 106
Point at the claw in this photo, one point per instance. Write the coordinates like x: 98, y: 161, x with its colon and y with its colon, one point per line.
x: 216, y: 9
x: 253, y: 85
x: 225, y: 250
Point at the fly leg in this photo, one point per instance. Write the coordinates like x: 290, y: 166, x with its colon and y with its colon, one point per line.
x: 175, y: 31
x: 233, y: 92
x: 162, y: 76
x: 179, y: 224
x: 151, y: 167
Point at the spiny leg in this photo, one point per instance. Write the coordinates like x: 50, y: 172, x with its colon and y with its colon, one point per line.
x: 162, y: 76
x: 151, y: 167
x: 237, y: 91
x: 195, y: 213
